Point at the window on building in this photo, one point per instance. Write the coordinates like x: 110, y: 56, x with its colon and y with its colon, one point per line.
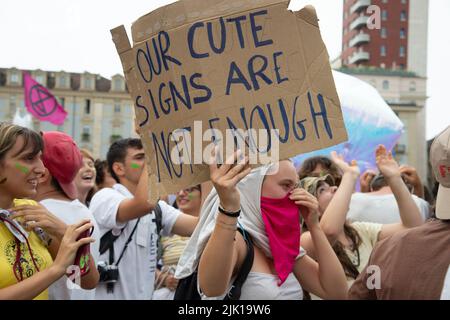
x: 403, y: 15
x: 40, y: 78
x: 385, y: 85
x: 402, y: 51
x: 12, y: 101
x: 412, y: 86
x: 62, y: 101
x: 86, y: 135
x: 384, y: 15
x: 383, y: 33
x: 383, y: 51
x: 62, y: 81
x: 87, y: 83
x: 117, y: 107
x: 14, y: 78
x: 113, y: 138
x: 118, y: 84
x: 87, y: 109
x: 402, y: 33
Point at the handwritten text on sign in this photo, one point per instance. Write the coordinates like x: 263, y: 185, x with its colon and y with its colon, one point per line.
x: 264, y: 69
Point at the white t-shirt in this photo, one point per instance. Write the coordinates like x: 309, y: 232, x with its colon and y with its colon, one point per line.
x: 138, y: 264
x: 71, y: 213
x: 382, y: 209
x: 263, y: 286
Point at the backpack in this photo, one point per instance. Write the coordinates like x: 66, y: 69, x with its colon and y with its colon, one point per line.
x: 187, y: 287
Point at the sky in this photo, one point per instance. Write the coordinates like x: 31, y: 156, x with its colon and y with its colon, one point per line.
x: 74, y: 36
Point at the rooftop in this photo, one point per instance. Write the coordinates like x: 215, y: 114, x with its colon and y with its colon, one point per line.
x: 101, y: 84
x: 378, y: 72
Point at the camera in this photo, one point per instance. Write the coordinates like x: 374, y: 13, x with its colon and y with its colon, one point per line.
x: 109, y: 273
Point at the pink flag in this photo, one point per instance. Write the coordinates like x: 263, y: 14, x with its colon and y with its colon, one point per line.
x: 41, y: 103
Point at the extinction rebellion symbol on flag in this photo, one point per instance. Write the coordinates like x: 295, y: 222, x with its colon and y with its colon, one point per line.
x: 43, y: 103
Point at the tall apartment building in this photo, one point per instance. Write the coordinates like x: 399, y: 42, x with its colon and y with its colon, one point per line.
x: 100, y: 110
x: 399, y: 43
x: 392, y: 58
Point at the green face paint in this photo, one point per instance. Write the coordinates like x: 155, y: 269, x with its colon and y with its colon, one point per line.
x: 22, y: 168
x: 135, y: 166
x: 191, y: 195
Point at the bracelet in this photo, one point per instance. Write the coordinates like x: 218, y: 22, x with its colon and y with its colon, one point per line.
x: 230, y: 213
x: 226, y: 226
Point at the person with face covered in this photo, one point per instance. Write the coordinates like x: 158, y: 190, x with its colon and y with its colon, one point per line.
x: 354, y: 242
x: 188, y: 201
x: 265, y: 203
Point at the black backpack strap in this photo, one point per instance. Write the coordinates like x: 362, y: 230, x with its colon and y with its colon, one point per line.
x: 235, y: 291
x: 128, y: 241
x: 187, y: 287
x: 158, y: 218
x: 107, y: 241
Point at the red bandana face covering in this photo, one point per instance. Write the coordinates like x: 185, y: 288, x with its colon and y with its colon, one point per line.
x: 281, y: 220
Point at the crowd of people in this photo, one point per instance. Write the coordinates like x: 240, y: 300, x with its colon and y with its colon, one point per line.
x: 73, y: 227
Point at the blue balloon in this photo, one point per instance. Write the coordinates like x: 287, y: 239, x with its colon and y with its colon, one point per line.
x: 369, y: 122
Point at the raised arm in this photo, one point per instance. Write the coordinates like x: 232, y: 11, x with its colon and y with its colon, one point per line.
x: 409, y: 212
x: 334, y: 217
x: 139, y: 205
x: 324, y: 278
x: 411, y: 176
x: 185, y: 225
x: 222, y: 253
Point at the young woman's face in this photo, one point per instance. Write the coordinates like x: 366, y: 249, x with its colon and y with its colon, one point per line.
x: 189, y: 200
x: 20, y: 171
x: 279, y: 183
x: 85, y: 178
x: 325, y: 193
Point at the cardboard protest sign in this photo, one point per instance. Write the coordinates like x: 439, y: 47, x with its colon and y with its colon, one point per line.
x: 224, y: 66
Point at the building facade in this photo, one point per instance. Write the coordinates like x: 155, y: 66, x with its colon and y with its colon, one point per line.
x: 100, y: 110
x: 385, y: 44
x: 390, y: 34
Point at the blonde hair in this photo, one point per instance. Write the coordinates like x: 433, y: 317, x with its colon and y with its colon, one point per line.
x: 87, y: 154
x: 9, y: 134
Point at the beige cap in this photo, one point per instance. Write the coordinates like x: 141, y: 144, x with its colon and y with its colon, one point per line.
x: 311, y: 184
x: 440, y: 163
